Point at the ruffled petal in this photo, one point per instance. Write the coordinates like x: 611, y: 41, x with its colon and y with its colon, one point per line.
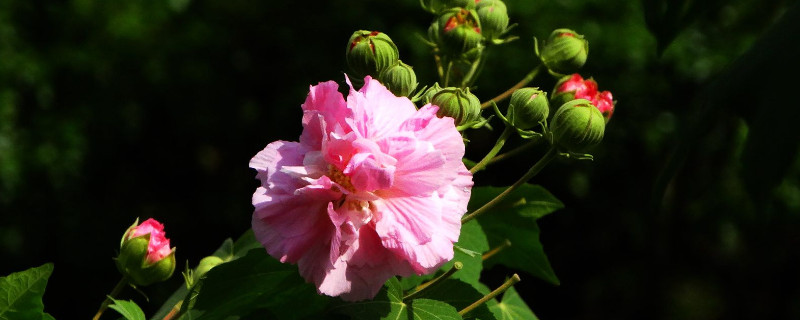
x: 407, y: 227
x: 323, y: 109
x: 377, y: 112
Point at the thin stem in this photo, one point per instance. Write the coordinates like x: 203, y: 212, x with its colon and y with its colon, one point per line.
x: 549, y: 156
x: 114, y: 292
x: 514, y: 151
x: 528, y: 78
x: 447, y: 73
x: 174, y: 312
x: 495, y: 250
x: 473, y: 70
x: 438, y: 60
x: 497, y: 146
x: 430, y: 284
x: 510, y: 282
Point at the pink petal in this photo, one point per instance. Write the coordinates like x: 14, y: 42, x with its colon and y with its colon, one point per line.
x: 407, y: 227
x: 324, y: 107
x: 377, y: 112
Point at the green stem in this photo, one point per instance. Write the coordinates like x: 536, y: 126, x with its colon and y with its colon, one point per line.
x: 549, y: 156
x: 515, y: 151
x: 496, y: 249
x: 473, y: 70
x: 456, y: 266
x: 528, y: 78
x: 114, y: 292
x: 497, y: 146
x: 510, y: 282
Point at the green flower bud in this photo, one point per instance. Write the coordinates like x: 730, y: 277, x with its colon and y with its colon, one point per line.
x: 528, y: 107
x: 577, y: 125
x: 564, y: 52
x: 400, y: 79
x: 427, y: 96
x: 461, y: 105
x: 437, y: 6
x: 459, y: 31
x: 494, y: 18
x: 145, y: 256
x: 370, y: 52
x: 206, y: 264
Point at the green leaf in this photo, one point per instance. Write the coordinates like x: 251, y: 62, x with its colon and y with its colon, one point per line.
x: 460, y: 295
x: 254, y: 282
x: 528, y: 200
x: 228, y: 251
x: 21, y: 294
x: 514, y: 220
x: 512, y: 307
x: 389, y: 304
x: 128, y: 309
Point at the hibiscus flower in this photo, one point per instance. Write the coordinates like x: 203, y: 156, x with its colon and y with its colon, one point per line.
x: 373, y: 189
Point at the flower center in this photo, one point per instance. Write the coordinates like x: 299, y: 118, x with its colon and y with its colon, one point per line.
x: 338, y: 176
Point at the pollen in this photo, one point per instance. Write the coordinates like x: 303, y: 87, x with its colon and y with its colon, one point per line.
x: 338, y: 176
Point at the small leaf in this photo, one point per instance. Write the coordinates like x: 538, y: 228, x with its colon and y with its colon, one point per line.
x: 21, y: 293
x: 512, y: 307
x: 128, y: 309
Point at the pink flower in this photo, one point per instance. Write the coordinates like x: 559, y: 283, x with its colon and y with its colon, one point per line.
x: 158, y: 247
x: 374, y: 188
x: 586, y: 89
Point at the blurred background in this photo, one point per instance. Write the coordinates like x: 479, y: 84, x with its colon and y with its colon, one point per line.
x: 113, y: 110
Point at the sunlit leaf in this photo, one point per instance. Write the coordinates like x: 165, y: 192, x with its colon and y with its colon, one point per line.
x: 512, y: 307
x: 21, y: 294
x: 128, y: 309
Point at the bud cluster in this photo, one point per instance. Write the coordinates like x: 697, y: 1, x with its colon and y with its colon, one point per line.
x: 374, y: 53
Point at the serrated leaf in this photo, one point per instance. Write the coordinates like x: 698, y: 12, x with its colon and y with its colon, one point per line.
x: 512, y: 307
x: 532, y: 201
x: 389, y: 304
x: 254, y: 282
x: 128, y: 309
x: 514, y: 220
x: 21, y: 294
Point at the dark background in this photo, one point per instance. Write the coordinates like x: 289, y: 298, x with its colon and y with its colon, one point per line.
x: 113, y: 110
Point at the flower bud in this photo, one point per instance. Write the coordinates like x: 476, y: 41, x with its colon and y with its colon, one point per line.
x: 145, y: 255
x: 400, y: 79
x: 436, y: 6
x: 577, y: 125
x: 573, y: 87
x: 427, y: 96
x: 459, y: 31
x: 564, y: 52
x: 370, y: 52
x: 205, y: 265
x: 457, y: 103
x: 528, y: 107
x: 493, y: 16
